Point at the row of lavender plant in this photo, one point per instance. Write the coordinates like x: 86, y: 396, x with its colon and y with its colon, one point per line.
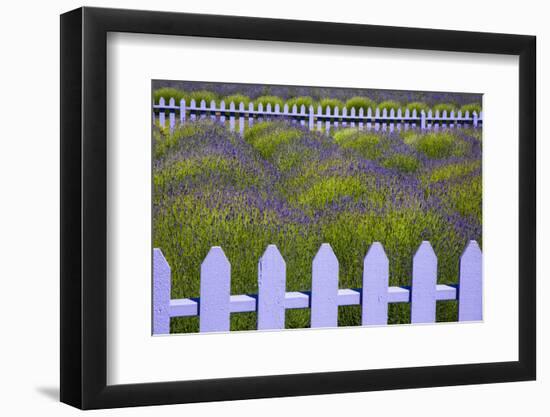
x: 296, y: 188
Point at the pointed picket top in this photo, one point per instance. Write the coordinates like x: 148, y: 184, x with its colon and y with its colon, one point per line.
x: 430, y: 114
x: 467, y: 114
x: 311, y: 109
x: 212, y: 105
x: 268, y: 108
x: 271, y: 289
x: 399, y: 113
x: 324, y: 288
x: 369, y: 113
x: 241, y: 107
x: 336, y: 111
x: 193, y: 103
x: 437, y: 114
x: 384, y: 112
x: 260, y: 107
x: 377, y: 113
x: 222, y: 105
x: 361, y: 112
x: 162, y: 101
x: 214, y: 311
x: 344, y: 111
x: 327, y: 111
x: 352, y: 111
x: 303, y: 109
x: 251, y: 106
x: 375, y: 286
x: 470, y: 289
x: 424, y: 281
x: 459, y: 114
x: 452, y: 114
x: 203, y: 104
x: 319, y: 109
x: 232, y: 106
x: 444, y: 115
x: 408, y: 113
x: 277, y: 108
x: 182, y: 102
x: 285, y: 108
x: 392, y: 112
x: 161, y: 293
x: 294, y: 109
x: 172, y: 102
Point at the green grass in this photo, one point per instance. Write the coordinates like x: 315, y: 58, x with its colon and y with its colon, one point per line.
x: 366, y: 144
x: 265, y: 100
x: 452, y: 171
x: 237, y: 99
x: 438, y: 145
x: 441, y: 107
x: 472, y: 107
x: 207, y: 96
x: 418, y: 106
x: 266, y: 137
x: 359, y: 103
x: 407, y: 164
x: 389, y: 105
x: 168, y: 93
x: 332, y: 103
x: 299, y: 102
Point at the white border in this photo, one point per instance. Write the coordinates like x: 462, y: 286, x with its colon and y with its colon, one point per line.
x: 134, y: 356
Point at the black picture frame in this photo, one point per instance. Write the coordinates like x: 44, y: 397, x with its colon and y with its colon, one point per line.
x: 84, y: 207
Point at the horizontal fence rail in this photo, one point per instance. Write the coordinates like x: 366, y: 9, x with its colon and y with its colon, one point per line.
x: 237, y: 115
x: 215, y: 304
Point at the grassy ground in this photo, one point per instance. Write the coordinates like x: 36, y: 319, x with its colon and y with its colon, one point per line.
x: 297, y: 189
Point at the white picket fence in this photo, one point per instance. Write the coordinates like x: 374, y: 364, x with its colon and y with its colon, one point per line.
x: 236, y: 115
x: 216, y: 303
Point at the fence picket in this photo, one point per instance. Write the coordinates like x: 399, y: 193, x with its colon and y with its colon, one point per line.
x: 215, y: 292
x: 470, y: 284
x: 375, y: 286
x: 222, y: 112
x: 161, y: 293
x: 203, y: 109
x: 361, y: 115
x: 232, y: 117
x: 424, y: 281
x: 271, y: 289
x: 241, y: 118
x: 324, y: 288
x: 172, y: 114
x: 162, y: 115
x: 311, y: 118
x: 319, y: 116
x: 193, y: 112
x: 213, y: 110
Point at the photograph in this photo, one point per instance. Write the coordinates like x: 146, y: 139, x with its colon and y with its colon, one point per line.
x: 290, y: 207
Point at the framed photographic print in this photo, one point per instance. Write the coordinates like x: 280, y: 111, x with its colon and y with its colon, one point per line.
x: 257, y: 208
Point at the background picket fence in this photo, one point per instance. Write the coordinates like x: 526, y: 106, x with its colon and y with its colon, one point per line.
x: 237, y: 115
x: 216, y: 302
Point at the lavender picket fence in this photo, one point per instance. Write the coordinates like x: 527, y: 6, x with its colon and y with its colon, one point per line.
x: 216, y: 303
x: 237, y: 115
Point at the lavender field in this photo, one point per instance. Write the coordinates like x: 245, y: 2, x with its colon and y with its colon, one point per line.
x: 281, y: 183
